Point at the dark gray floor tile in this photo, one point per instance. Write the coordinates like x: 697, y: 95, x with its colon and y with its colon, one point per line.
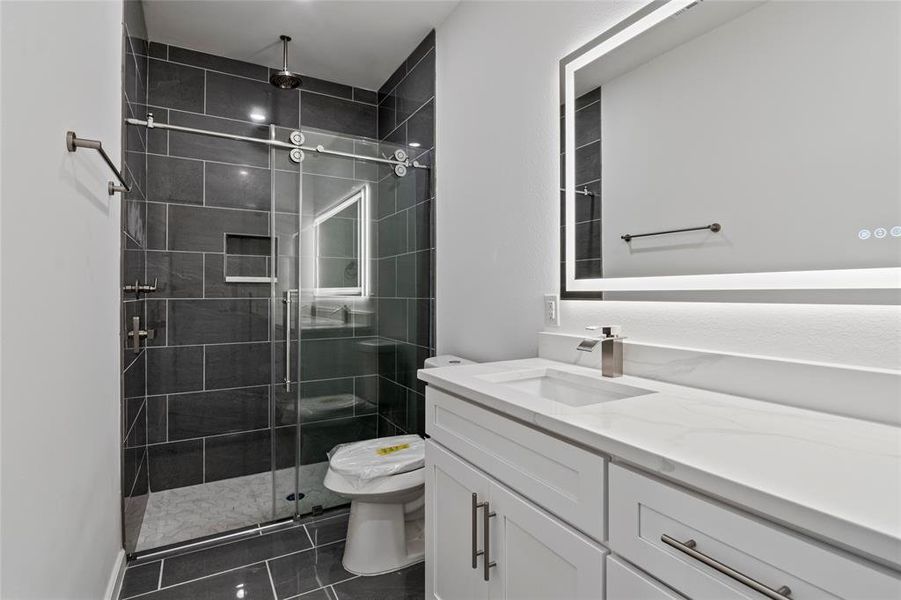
x: 308, y: 570
x: 406, y: 584
x: 325, y: 593
x: 174, y: 180
x: 224, y: 411
x: 172, y: 370
x: 237, y: 454
x: 237, y: 365
x: 218, y: 63
x: 200, y: 228
x: 217, y: 321
x: 327, y: 531
x: 139, y: 579
x: 245, y: 100
x: 252, y: 582
x: 190, y: 145
x: 176, y: 464
x: 175, y: 86
x: 236, y: 554
x: 335, y: 114
x: 234, y: 186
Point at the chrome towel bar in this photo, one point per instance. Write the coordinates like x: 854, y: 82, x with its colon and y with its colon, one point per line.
x: 73, y: 143
x: 714, y: 227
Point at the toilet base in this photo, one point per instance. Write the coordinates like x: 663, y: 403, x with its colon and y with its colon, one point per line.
x: 382, y: 538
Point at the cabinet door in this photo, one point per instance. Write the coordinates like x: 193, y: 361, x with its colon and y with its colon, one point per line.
x: 449, y: 486
x: 538, y: 557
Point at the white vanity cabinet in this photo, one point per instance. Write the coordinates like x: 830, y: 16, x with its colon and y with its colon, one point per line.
x: 530, y: 553
x: 559, y: 522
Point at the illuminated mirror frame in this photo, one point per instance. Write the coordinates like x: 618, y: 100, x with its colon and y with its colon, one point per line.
x: 836, y: 279
x: 361, y: 198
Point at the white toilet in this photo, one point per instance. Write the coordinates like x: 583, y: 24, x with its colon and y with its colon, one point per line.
x: 384, y: 479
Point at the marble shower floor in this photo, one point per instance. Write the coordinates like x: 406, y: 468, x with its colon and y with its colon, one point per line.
x: 196, y: 511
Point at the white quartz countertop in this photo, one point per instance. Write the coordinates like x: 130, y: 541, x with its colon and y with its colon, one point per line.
x: 831, y: 477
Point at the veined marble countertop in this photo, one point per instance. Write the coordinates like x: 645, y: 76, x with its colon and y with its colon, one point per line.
x: 834, y: 478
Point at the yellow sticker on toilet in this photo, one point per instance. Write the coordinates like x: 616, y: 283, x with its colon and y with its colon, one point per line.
x: 391, y: 449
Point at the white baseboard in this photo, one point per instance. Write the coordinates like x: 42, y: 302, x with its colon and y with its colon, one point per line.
x: 115, y: 578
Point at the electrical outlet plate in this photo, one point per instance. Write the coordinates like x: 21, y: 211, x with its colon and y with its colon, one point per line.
x: 552, y: 310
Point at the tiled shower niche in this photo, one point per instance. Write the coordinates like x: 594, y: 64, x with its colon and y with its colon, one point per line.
x: 218, y: 426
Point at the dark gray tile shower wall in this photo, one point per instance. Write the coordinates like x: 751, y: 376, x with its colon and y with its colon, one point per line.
x: 588, y: 177
x: 198, y: 401
x: 406, y: 248
x: 134, y: 257
x: 210, y: 368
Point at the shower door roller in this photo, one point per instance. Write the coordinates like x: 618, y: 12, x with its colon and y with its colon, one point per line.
x: 296, y: 155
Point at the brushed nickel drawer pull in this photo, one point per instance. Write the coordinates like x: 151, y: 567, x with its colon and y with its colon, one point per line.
x: 486, y: 523
x: 688, y: 547
x: 476, y: 553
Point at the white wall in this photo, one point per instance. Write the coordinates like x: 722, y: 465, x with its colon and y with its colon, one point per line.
x: 498, y: 209
x: 59, y: 313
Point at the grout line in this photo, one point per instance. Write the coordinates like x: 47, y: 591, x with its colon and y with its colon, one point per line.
x: 159, y: 583
x: 309, y: 537
x: 271, y: 580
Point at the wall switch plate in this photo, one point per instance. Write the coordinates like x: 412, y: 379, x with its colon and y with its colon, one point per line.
x: 552, y: 310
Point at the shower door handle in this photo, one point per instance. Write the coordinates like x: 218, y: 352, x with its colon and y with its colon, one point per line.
x: 137, y: 334
x: 288, y: 304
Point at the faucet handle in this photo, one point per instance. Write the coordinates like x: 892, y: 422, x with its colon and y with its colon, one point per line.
x: 608, y: 331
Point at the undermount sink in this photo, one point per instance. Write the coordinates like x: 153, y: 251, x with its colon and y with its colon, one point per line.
x: 565, y: 387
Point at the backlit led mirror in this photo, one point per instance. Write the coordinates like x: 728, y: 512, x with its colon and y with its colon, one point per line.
x: 734, y: 145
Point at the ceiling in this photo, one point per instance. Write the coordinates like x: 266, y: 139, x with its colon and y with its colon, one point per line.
x: 355, y: 42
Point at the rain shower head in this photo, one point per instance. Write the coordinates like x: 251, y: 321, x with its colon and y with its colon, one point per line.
x: 285, y: 79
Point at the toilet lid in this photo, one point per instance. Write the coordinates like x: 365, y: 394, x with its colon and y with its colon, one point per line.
x: 361, y: 462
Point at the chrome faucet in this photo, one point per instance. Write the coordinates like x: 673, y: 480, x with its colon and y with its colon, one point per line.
x: 611, y: 343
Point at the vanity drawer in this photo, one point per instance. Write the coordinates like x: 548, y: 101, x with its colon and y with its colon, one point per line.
x: 563, y: 479
x: 644, y: 512
x: 625, y: 582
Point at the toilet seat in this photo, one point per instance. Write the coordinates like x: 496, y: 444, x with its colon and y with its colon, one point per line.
x: 400, y: 482
x: 377, y: 465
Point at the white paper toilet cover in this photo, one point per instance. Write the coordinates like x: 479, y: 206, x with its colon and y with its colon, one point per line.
x: 361, y: 462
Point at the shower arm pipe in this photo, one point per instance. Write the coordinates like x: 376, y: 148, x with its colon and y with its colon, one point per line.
x: 275, y: 143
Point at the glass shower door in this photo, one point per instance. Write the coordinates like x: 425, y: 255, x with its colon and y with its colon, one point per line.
x: 286, y: 318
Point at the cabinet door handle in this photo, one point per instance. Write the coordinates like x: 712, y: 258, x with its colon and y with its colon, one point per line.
x: 688, y: 547
x: 486, y: 561
x: 476, y: 553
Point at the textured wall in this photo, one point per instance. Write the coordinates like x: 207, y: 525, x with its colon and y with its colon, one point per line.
x: 497, y: 237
